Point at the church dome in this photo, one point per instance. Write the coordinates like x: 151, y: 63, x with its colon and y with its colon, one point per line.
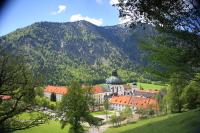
x: 114, y: 79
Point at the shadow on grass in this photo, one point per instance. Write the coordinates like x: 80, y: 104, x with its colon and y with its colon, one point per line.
x: 187, y: 122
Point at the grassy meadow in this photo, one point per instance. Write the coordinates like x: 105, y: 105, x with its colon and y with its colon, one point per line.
x: 147, y: 86
x: 187, y: 122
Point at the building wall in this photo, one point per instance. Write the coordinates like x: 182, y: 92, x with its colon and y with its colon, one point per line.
x: 120, y: 107
x: 118, y: 89
x: 47, y: 94
x: 58, y: 96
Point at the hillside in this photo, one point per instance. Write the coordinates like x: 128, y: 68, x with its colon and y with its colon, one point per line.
x: 187, y: 122
x: 78, y: 50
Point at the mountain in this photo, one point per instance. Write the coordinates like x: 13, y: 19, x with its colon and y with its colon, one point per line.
x: 78, y: 50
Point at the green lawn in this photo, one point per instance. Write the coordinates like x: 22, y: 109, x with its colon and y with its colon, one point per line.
x: 147, y: 86
x: 27, y: 116
x: 187, y: 122
x: 101, y: 113
x: 50, y: 127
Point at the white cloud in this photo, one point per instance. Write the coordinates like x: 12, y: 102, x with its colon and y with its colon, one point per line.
x: 61, y: 8
x: 112, y: 2
x: 99, y: 1
x: 77, y: 17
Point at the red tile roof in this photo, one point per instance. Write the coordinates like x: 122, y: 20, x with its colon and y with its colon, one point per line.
x: 56, y: 89
x: 5, y: 97
x: 145, y: 103
x: 138, y: 102
x: 97, y: 89
x: 120, y: 100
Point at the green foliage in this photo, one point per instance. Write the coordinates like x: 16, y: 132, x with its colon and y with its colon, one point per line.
x: 126, y: 112
x: 39, y: 91
x: 80, y: 51
x: 177, y: 84
x: 42, y: 101
x: 18, y: 82
x: 75, y: 108
x: 116, y: 120
x: 191, y: 94
x: 51, y: 126
x: 162, y: 100
x: 187, y: 122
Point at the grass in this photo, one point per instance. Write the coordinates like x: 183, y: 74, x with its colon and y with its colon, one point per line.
x: 147, y: 86
x: 50, y: 127
x: 187, y: 122
x: 27, y: 116
x: 101, y: 113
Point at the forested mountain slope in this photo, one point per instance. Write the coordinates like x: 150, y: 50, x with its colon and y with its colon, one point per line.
x: 78, y: 50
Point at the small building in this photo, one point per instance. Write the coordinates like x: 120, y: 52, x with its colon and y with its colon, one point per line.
x: 5, y: 97
x: 55, y: 93
x: 100, y: 93
x: 134, y: 102
x: 119, y: 102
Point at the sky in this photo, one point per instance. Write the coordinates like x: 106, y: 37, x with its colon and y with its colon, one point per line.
x: 20, y: 13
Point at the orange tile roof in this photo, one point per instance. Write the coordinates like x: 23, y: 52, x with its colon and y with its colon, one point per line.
x: 124, y: 100
x: 139, y: 102
x: 97, y: 89
x: 5, y: 97
x: 56, y: 89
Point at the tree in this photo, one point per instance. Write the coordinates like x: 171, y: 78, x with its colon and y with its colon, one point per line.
x: 178, y: 84
x: 168, y: 14
x: 177, y: 48
x: 17, y: 82
x: 142, y: 112
x: 162, y: 100
x: 191, y: 93
x: 75, y: 108
x: 126, y: 113
x: 106, y: 106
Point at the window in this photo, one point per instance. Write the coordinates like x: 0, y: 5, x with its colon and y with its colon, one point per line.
x: 53, y: 97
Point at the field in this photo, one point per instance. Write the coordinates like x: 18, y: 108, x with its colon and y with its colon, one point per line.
x: 101, y: 113
x: 50, y: 127
x: 187, y: 122
x: 147, y: 86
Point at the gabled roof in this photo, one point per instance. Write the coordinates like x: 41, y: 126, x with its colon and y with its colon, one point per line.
x: 124, y: 100
x: 138, y: 102
x: 56, y: 89
x: 97, y: 89
x: 145, y: 103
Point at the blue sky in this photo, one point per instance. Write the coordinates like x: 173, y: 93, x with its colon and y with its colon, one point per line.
x: 21, y: 13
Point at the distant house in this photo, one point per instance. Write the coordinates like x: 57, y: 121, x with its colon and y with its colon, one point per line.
x: 120, y: 102
x: 55, y: 93
x: 100, y: 93
x: 5, y: 97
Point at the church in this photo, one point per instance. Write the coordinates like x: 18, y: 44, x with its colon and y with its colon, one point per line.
x: 117, y: 87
